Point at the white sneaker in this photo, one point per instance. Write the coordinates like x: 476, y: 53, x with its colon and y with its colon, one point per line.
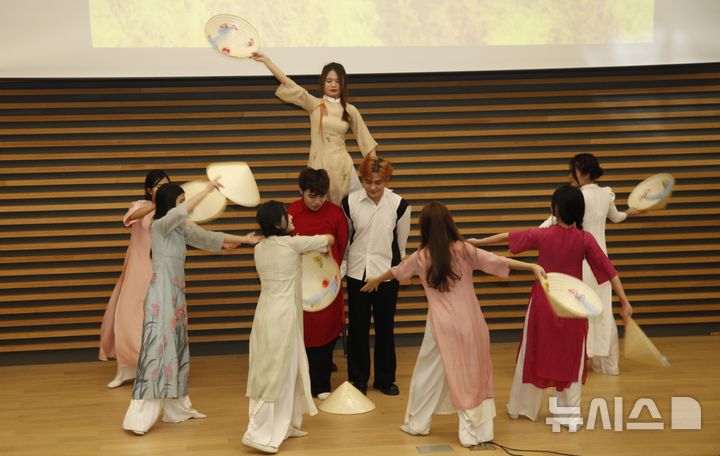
x: 259, y: 446
x: 323, y: 396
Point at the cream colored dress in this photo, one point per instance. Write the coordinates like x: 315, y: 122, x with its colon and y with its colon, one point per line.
x: 327, y: 137
x: 277, y: 328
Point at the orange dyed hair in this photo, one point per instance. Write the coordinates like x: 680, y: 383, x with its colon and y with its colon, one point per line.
x: 376, y: 165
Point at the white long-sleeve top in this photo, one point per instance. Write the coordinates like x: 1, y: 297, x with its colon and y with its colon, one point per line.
x: 378, y: 232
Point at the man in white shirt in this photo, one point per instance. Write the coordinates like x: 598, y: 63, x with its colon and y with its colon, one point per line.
x: 379, y: 220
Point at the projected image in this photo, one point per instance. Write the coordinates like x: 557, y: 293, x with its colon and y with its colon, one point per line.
x: 372, y: 23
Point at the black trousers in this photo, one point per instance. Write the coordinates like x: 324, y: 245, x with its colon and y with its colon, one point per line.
x: 381, y: 306
x: 320, y: 361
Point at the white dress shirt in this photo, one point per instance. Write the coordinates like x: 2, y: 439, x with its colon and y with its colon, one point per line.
x: 378, y: 232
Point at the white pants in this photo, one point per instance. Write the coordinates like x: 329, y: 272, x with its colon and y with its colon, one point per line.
x: 143, y: 413
x: 608, y: 364
x: 429, y: 394
x: 527, y: 399
x: 273, y: 422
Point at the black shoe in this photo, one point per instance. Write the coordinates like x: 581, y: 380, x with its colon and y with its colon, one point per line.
x: 333, y: 368
x: 391, y: 390
x: 361, y: 388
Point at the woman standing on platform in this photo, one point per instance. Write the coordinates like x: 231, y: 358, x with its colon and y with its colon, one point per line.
x: 453, y: 370
x: 278, y: 380
x: 164, y: 364
x: 330, y: 118
x: 122, y: 323
x: 552, y: 350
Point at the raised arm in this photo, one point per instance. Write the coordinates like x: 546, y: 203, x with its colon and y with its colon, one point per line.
x: 212, y: 185
x: 274, y: 69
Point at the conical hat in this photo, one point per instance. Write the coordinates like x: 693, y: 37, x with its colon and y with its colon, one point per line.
x: 652, y: 193
x: 232, y: 36
x: 320, y: 281
x: 347, y: 400
x: 639, y: 347
x: 210, y: 207
x: 571, y: 297
x: 237, y: 181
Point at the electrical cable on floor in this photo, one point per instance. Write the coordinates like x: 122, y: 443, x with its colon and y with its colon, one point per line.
x: 492, y: 444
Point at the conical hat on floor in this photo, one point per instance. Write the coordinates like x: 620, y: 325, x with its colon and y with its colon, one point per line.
x: 238, y: 183
x: 347, y: 400
x: 639, y: 347
x: 210, y: 207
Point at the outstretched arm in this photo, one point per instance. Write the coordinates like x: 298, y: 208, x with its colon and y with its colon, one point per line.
x: 231, y: 241
x: 372, y: 283
x: 495, y: 239
x: 274, y: 69
x: 536, y: 269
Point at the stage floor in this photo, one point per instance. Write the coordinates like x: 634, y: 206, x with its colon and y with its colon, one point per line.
x: 65, y: 409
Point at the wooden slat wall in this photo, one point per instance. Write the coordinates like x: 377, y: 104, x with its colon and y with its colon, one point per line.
x: 492, y: 146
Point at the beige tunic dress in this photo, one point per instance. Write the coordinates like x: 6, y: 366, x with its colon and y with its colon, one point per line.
x: 327, y: 137
x: 277, y: 327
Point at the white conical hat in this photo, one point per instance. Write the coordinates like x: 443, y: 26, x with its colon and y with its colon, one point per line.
x: 639, y: 347
x: 210, y: 207
x: 347, y: 400
x: 571, y: 297
x: 320, y: 281
x: 232, y: 36
x: 652, y: 193
x: 237, y: 181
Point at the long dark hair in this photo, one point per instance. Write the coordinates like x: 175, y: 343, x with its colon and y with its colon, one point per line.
x: 165, y: 199
x: 568, y: 205
x: 152, y: 179
x: 270, y: 216
x: 342, y: 76
x: 437, y: 233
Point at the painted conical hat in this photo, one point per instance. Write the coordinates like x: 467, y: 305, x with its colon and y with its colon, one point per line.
x: 210, y: 207
x: 639, y: 347
x: 237, y: 181
x: 571, y: 297
x: 652, y: 193
x: 232, y: 36
x: 320, y: 281
x: 346, y: 400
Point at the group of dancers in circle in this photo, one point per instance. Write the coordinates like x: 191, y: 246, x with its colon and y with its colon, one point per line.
x: 364, y: 225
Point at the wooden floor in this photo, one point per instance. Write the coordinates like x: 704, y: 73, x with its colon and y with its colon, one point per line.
x: 66, y: 409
